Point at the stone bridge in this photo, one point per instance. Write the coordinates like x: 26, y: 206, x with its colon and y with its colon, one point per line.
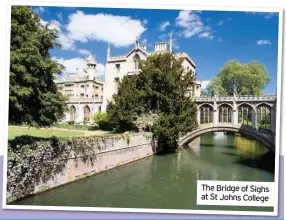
x: 265, y: 136
x: 248, y: 115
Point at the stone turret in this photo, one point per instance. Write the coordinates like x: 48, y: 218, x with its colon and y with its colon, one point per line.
x: 90, y: 66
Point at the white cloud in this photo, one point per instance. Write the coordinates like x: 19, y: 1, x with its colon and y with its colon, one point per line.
x: 144, y: 41
x: 263, y: 42
x: 75, y: 63
x: 83, y: 51
x: 66, y: 42
x: 204, y: 84
x: 60, y: 16
x: 145, y: 21
x: 266, y: 15
x: 176, y: 44
x: 164, y: 25
x: 39, y: 10
x: 206, y: 35
x: 220, y: 23
x: 121, y: 31
x: 53, y: 24
x: 71, y: 64
x: 193, y: 25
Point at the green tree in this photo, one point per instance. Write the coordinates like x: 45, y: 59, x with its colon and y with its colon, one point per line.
x: 204, y: 93
x: 249, y: 79
x: 161, y: 89
x: 33, y: 95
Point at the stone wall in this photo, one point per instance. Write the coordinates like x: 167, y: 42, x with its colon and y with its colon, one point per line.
x: 40, y: 164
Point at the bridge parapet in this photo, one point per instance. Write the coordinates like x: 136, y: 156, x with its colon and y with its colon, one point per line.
x: 270, y: 98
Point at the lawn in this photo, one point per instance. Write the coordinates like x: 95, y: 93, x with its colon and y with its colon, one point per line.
x: 14, y: 131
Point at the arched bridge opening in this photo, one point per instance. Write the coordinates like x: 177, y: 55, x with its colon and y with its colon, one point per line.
x: 244, y: 131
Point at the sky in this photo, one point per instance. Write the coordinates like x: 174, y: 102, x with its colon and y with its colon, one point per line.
x: 210, y: 38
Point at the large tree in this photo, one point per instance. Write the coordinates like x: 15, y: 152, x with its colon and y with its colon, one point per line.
x: 248, y: 79
x: 33, y: 95
x: 160, y: 89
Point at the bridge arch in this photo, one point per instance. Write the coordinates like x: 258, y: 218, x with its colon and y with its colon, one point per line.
x: 269, y: 143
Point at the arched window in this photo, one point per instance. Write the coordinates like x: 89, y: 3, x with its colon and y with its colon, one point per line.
x: 72, y: 113
x: 263, y: 116
x: 206, y: 114
x: 136, y: 61
x: 244, y: 114
x: 225, y: 113
x: 86, y: 114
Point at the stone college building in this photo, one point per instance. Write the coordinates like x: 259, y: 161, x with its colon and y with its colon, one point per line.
x: 88, y: 95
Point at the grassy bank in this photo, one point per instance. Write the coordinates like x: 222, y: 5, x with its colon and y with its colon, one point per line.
x: 14, y: 131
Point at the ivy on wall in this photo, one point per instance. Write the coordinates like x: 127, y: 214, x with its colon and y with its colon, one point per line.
x: 32, y: 161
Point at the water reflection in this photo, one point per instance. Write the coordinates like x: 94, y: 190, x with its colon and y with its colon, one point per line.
x: 168, y: 181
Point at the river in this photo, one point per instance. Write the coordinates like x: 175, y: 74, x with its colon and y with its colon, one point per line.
x: 168, y: 181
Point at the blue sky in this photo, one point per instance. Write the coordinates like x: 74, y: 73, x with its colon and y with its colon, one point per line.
x: 211, y: 38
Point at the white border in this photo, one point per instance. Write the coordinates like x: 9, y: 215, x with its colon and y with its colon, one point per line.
x: 97, y: 3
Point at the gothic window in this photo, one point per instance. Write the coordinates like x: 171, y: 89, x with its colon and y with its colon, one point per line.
x: 72, y: 113
x: 136, y: 61
x: 225, y: 113
x: 244, y: 114
x: 206, y: 114
x: 263, y: 116
x: 86, y: 114
x: 117, y: 67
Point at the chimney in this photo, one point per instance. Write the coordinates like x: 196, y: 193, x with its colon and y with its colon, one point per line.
x: 162, y: 46
x: 143, y: 46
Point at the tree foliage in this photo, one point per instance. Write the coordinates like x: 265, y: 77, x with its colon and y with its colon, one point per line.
x: 160, y: 89
x: 249, y: 79
x: 33, y: 95
x: 204, y: 93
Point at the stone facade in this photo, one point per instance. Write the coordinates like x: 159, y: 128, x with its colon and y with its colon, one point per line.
x: 85, y: 92
x: 128, y: 64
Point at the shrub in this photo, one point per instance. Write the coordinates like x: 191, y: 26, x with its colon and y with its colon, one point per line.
x: 103, y: 121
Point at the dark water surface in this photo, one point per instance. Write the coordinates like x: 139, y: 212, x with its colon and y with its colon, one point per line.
x: 168, y: 181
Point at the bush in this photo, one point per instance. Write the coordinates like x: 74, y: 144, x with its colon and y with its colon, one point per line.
x: 103, y: 121
x: 93, y: 128
x: 76, y: 127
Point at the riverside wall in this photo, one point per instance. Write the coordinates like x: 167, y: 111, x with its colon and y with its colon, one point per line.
x: 43, y: 165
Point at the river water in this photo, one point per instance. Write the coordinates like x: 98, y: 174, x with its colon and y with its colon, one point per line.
x: 168, y: 181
